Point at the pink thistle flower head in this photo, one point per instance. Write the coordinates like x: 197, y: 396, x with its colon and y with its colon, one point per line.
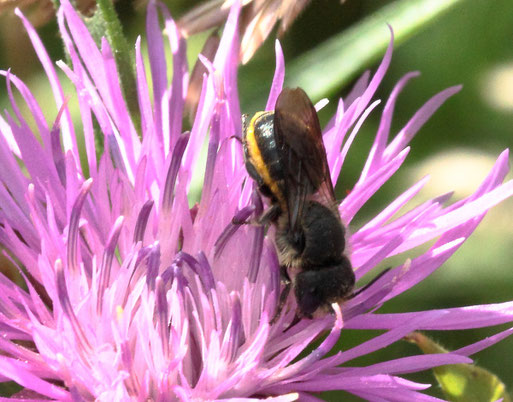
x: 132, y: 294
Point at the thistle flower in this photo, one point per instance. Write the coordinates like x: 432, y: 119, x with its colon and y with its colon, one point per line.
x: 132, y: 294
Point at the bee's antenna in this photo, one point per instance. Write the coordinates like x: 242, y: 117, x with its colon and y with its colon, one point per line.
x: 372, y: 282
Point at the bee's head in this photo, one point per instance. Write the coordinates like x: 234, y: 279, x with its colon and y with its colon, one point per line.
x: 316, y: 288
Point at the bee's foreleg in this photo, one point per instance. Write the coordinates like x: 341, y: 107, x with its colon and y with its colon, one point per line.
x: 285, y: 279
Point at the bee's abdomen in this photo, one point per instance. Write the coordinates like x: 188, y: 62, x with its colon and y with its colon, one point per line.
x: 324, y: 236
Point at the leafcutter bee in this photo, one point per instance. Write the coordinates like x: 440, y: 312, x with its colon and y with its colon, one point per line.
x: 284, y: 153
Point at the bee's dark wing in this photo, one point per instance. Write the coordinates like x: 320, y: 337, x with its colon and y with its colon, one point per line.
x: 299, y: 141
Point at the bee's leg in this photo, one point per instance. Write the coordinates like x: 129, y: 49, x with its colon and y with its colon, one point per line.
x: 269, y: 215
x: 285, y: 279
x: 295, y: 320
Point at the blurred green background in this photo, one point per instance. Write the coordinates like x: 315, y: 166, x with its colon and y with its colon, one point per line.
x: 471, y: 44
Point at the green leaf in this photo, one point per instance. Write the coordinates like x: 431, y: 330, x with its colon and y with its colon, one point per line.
x: 462, y: 382
x: 9, y: 388
x: 332, y: 64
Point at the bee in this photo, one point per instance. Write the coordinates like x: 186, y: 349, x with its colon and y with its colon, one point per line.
x: 284, y: 153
